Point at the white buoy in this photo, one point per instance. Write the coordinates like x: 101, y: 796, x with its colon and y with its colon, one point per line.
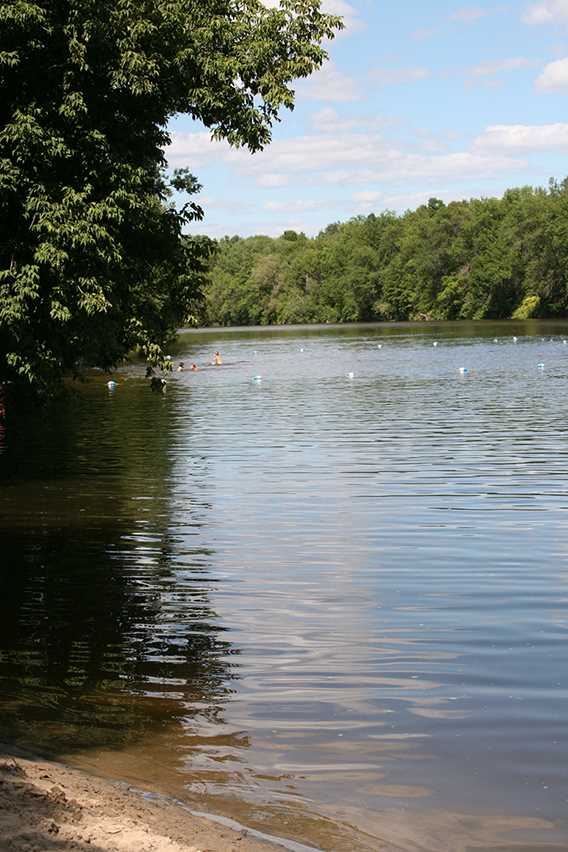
x: 464, y: 370
x: 350, y: 375
x: 380, y: 346
x: 111, y: 385
x: 257, y: 378
x: 435, y: 343
x: 565, y: 342
x: 540, y: 366
x: 515, y: 339
x: 495, y: 340
x: 301, y: 348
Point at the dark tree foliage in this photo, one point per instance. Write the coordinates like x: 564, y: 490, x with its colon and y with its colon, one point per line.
x: 480, y: 259
x: 92, y: 259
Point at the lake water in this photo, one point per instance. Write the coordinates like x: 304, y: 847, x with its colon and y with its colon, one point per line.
x: 332, y: 608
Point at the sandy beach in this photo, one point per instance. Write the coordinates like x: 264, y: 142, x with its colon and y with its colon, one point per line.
x: 47, y: 806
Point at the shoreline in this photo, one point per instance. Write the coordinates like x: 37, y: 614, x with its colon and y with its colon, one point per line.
x: 47, y: 805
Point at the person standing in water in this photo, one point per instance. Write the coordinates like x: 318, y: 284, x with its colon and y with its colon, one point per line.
x: 217, y: 360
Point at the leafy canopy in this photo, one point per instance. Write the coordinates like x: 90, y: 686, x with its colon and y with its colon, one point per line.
x: 92, y: 259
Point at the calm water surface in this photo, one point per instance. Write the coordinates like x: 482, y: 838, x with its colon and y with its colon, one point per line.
x: 332, y: 608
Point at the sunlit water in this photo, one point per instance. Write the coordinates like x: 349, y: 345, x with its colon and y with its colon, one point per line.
x: 332, y: 607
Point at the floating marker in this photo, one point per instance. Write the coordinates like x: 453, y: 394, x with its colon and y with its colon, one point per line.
x: 435, y: 343
x: 565, y: 342
x: 350, y: 375
x: 495, y: 340
x: 257, y: 378
x: 301, y: 348
x: 111, y: 385
x: 380, y: 346
x: 464, y: 370
x: 540, y: 366
x: 515, y: 339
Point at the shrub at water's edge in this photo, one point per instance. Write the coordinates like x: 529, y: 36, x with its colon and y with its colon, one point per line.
x: 478, y: 259
x: 528, y: 309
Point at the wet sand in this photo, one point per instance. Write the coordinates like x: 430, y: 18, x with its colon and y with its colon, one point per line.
x: 47, y: 806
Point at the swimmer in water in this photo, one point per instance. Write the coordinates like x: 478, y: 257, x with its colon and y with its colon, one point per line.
x: 181, y: 367
x: 194, y: 368
x: 217, y: 360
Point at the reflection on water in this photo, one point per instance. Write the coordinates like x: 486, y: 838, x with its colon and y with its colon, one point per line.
x: 332, y: 608
x: 90, y: 599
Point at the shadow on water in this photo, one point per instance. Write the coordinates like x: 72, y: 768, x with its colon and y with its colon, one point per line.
x: 90, y: 656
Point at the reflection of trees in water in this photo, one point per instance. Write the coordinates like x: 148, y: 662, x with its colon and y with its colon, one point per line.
x: 105, y: 630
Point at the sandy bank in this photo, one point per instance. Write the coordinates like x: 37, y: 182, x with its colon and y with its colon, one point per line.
x: 47, y: 806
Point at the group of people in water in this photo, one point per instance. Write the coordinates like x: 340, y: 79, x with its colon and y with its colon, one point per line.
x: 158, y: 383
x: 217, y: 362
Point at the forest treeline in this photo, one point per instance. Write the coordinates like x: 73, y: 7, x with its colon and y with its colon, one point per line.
x: 484, y: 258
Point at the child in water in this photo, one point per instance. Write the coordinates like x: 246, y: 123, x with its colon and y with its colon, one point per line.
x: 217, y: 360
x: 194, y: 368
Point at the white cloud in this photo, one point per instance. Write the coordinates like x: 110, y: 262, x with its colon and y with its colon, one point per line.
x: 524, y: 137
x: 350, y: 15
x: 327, y: 120
x: 252, y: 227
x: 329, y: 84
x: 499, y: 66
x: 546, y: 12
x: 340, y: 158
x: 430, y: 142
x: 311, y: 153
x: 351, y: 19
x: 366, y: 197
x: 554, y: 76
x: 233, y: 205
x: 272, y: 181
x: 195, y: 149
x: 398, y: 76
x: 282, y: 158
x: 468, y: 15
x: 295, y: 206
x: 410, y: 200
x: 463, y: 165
x: 335, y: 176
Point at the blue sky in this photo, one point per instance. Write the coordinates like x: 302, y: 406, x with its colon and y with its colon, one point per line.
x: 419, y: 98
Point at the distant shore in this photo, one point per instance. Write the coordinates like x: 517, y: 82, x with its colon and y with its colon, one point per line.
x: 45, y: 805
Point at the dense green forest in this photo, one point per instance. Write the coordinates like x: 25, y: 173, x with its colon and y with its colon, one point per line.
x: 484, y: 258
